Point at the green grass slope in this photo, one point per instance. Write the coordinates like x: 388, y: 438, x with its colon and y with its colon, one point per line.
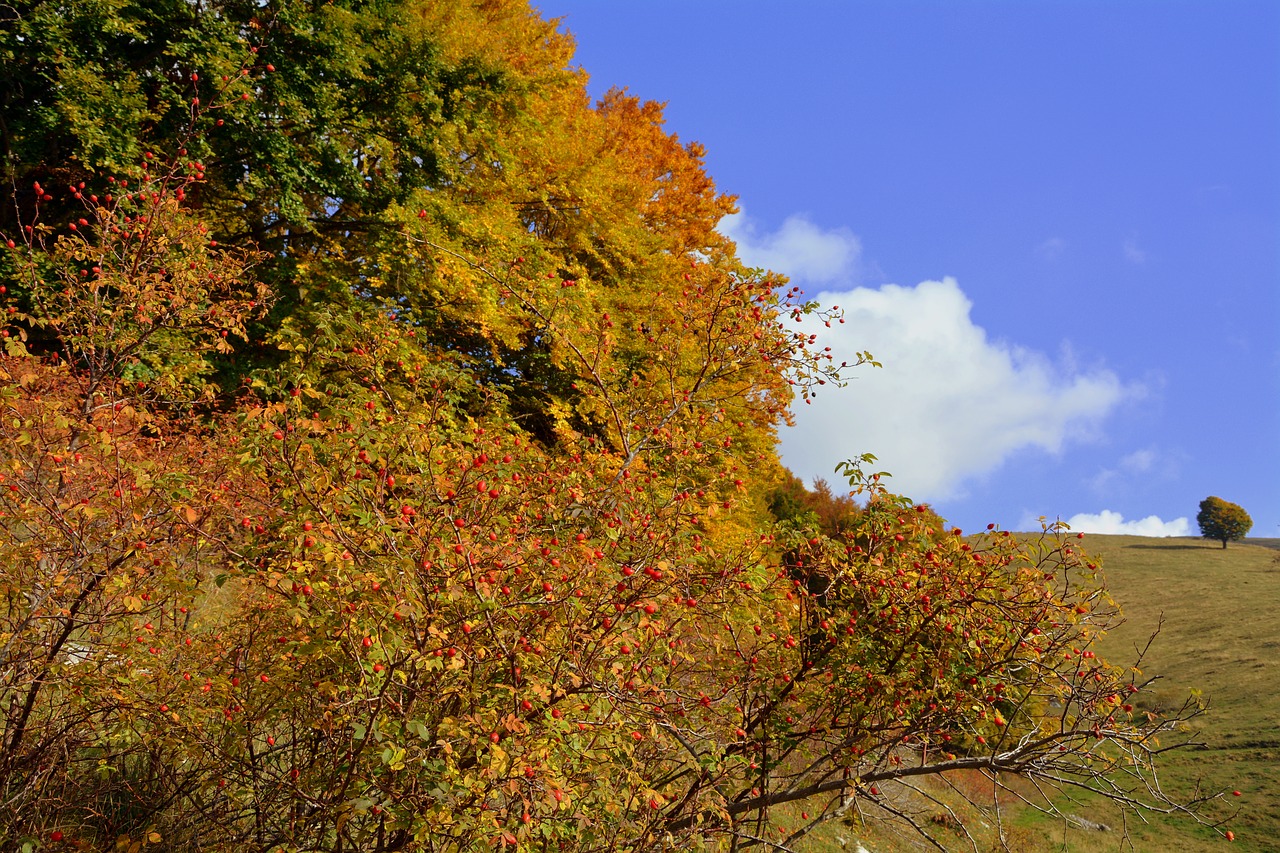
x: 1217, y: 613
x: 1220, y: 634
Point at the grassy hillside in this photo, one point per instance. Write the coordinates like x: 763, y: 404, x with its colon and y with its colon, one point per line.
x: 1216, y: 612
x: 1220, y: 634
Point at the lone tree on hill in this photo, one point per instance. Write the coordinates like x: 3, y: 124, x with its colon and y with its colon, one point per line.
x: 1222, y: 520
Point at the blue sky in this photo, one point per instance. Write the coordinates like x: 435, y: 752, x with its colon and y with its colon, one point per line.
x: 1057, y: 224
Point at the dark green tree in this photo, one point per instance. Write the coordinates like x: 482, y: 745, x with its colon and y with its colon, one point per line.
x: 1222, y: 520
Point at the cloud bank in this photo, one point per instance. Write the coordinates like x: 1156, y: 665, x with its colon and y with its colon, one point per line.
x: 950, y: 404
x: 1113, y: 522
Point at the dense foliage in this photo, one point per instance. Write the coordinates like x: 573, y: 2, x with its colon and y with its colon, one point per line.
x: 1222, y: 520
x: 387, y: 462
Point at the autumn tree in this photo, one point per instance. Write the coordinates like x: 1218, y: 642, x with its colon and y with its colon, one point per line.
x: 1222, y: 520
x: 387, y: 452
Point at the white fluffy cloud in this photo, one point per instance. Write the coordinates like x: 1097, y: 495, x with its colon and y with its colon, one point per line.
x: 1113, y: 522
x: 950, y: 404
x: 799, y: 249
